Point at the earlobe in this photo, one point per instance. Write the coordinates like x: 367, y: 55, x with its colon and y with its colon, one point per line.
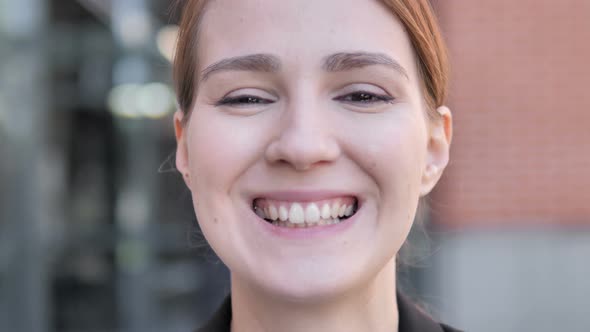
x: 181, y: 147
x: 440, y: 137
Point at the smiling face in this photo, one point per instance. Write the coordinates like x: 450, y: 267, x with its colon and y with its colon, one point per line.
x: 307, y: 112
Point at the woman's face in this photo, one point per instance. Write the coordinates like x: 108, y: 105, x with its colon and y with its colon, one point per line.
x: 302, y: 105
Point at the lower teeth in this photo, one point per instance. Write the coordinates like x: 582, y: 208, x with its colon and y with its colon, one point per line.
x: 305, y: 225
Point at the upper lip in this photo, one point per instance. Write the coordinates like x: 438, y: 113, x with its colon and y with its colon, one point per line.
x: 302, y: 195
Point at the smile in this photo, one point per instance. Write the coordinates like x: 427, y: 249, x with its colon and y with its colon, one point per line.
x: 305, y: 214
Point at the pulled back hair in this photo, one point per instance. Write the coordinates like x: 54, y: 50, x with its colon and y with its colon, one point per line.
x: 417, y: 17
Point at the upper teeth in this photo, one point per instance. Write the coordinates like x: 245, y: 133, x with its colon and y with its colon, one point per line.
x: 309, y: 212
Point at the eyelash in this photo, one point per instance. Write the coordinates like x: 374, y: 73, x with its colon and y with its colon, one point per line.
x: 241, y: 100
x: 250, y: 99
x: 375, y: 97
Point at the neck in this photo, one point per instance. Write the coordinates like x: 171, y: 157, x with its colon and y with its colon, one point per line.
x: 372, y: 307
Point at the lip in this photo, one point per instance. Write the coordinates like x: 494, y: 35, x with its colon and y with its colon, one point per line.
x: 315, y: 233
x: 302, y: 195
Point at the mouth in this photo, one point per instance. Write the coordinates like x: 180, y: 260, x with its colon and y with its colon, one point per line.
x: 289, y: 214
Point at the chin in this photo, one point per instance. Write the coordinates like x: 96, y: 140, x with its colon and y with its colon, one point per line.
x: 298, y: 281
x: 308, y: 291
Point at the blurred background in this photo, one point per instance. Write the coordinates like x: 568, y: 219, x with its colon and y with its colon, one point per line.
x: 97, y: 231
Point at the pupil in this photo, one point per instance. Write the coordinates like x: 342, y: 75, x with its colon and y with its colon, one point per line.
x: 363, y: 97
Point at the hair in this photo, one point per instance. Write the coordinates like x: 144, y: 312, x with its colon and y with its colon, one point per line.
x: 417, y: 17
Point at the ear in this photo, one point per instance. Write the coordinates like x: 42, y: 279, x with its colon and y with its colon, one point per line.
x: 181, y: 147
x: 441, y: 134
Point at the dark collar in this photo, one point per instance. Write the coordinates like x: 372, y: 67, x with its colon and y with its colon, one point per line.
x: 411, y: 319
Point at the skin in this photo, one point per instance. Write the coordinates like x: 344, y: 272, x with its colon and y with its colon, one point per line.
x: 307, y: 132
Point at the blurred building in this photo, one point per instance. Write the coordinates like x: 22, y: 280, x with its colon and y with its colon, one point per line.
x: 97, y: 231
x: 516, y: 257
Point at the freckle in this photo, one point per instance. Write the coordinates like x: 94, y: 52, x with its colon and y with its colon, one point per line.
x: 372, y: 165
x: 215, y: 220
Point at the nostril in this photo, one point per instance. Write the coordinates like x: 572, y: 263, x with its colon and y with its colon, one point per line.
x: 302, y: 147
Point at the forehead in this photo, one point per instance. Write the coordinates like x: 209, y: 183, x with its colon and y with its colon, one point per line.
x: 301, y: 32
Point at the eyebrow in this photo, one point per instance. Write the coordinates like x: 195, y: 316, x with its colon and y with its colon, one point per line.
x: 349, y: 61
x: 336, y: 62
x: 252, y: 62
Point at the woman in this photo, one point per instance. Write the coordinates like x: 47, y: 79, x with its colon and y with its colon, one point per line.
x: 307, y: 132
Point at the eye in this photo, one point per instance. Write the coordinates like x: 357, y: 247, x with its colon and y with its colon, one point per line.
x: 364, y: 98
x: 243, y: 100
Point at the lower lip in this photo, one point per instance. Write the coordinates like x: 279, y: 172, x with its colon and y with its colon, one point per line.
x: 302, y: 233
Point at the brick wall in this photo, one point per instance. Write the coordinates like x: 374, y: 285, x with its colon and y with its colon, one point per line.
x: 520, y: 98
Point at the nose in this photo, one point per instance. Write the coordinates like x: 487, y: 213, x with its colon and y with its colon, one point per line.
x: 305, y: 138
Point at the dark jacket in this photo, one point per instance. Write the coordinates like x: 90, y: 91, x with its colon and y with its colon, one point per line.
x: 411, y: 319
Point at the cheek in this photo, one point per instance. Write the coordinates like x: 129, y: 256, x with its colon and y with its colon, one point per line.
x: 220, y: 148
x: 392, y: 151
